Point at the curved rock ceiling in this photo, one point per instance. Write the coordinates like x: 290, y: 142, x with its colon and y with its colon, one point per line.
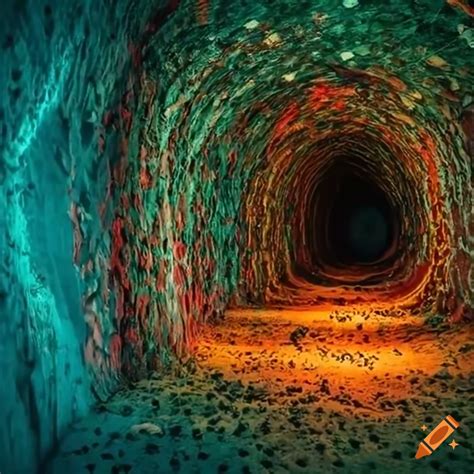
x: 197, y: 147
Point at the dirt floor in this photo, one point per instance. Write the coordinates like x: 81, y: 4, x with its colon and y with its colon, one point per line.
x: 299, y: 391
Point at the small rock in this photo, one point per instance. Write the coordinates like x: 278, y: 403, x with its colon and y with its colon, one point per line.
x: 299, y: 333
x: 272, y: 40
x: 350, y: 3
x: 251, y: 25
x: 149, y: 428
x: 346, y: 55
x: 362, y: 50
x: 437, y: 62
x: 467, y: 34
x: 289, y: 77
x: 454, y: 85
x: 467, y: 100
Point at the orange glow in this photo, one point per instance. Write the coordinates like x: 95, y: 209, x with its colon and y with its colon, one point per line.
x: 354, y: 350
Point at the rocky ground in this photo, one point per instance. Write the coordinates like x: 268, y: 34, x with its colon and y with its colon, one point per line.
x: 299, y: 391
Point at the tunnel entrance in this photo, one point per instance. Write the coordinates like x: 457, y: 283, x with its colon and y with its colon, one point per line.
x: 356, y: 218
x: 352, y: 222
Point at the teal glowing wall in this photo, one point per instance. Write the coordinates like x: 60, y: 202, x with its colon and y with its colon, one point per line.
x: 62, y: 65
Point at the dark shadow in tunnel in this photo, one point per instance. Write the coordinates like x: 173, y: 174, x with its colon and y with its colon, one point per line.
x: 358, y: 220
x: 352, y: 222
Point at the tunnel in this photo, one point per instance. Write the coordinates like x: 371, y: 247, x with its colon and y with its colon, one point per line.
x: 236, y: 236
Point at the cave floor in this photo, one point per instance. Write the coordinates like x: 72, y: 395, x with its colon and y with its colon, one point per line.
x: 303, y: 391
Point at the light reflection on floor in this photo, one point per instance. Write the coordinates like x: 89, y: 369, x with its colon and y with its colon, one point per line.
x: 303, y: 391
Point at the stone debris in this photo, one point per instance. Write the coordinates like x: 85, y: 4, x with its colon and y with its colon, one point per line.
x: 347, y: 55
x: 290, y: 77
x: 437, y: 62
x: 246, y: 403
x: 362, y: 50
x: 251, y: 25
x: 149, y: 428
x: 159, y: 157
x: 350, y: 3
x: 467, y: 34
x: 273, y: 40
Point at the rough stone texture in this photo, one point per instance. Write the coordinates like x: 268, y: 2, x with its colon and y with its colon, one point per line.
x: 231, y: 134
x: 148, y: 154
x: 291, y: 391
x: 62, y: 65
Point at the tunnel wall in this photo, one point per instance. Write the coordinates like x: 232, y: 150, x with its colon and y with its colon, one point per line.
x: 63, y: 66
x: 220, y: 143
x: 142, y: 145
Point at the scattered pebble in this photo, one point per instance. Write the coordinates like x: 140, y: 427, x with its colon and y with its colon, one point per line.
x: 251, y: 25
x: 290, y: 77
x: 350, y: 3
x: 347, y: 55
x: 362, y: 50
x: 272, y: 40
x: 291, y: 391
x: 149, y: 428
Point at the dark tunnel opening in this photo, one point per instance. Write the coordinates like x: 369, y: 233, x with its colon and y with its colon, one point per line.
x: 352, y: 221
x: 349, y: 212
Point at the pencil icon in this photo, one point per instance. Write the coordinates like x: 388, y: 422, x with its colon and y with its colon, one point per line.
x: 436, y: 437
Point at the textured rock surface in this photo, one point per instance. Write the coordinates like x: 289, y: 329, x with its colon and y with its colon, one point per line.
x: 291, y: 391
x: 155, y: 164
x: 61, y: 66
x: 231, y: 135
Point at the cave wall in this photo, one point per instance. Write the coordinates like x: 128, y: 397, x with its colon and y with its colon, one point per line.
x: 150, y: 160
x: 63, y: 66
x: 239, y: 115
